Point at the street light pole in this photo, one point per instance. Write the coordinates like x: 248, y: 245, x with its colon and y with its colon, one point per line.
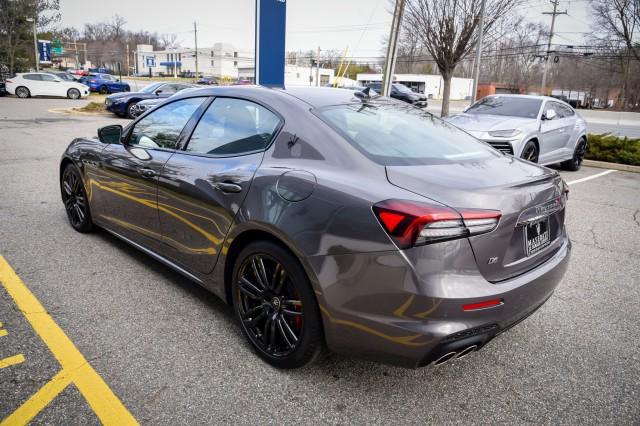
x: 476, y: 62
x: 35, y: 44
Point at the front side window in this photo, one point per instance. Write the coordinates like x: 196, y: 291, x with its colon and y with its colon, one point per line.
x: 233, y: 127
x: 394, y: 134
x: 47, y: 77
x: 161, y: 128
x: 506, y: 105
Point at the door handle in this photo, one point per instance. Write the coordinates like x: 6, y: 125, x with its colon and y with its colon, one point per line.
x: 228, y: 187
x: 147, y: 173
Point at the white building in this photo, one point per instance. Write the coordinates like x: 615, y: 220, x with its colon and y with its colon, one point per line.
x: 296, y: 75
x: 221, y: 61
x: 430, y: 85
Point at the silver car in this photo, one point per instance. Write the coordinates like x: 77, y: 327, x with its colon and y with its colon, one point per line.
x: 540, y: 129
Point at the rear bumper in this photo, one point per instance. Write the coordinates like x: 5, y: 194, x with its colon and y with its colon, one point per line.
x: 406, y: 308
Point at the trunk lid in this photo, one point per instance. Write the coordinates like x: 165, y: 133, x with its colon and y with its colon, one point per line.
x: 520, y: 190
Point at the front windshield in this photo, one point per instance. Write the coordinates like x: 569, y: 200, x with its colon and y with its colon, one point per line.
x: 511, y: 106
x: 151, y: 88
x: 394, y: 134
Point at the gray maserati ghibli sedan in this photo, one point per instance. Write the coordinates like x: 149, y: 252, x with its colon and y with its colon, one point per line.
x: 540, y: 129
x: 329, y: 219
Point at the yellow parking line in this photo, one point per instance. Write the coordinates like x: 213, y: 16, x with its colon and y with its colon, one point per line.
x: 12, y: 360
x: 3, y: 333
x: 75, y: 367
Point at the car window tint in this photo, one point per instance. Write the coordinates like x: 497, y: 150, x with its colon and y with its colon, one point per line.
x: 567, y: 111
x: 161, y: 128
x: 233, y: 126
x: 35, y: 77
x: 507, y: 105
x: 394, y: 134
x: 47, y: 77
x: 169, y: 88
x: 558, y: 108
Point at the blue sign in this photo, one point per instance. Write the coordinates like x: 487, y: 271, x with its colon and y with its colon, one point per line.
x: 271, y: 21
x: 150, y: 61
x: 44, y: 51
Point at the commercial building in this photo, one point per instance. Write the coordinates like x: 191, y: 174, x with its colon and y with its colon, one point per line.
x: 296, y: 75
x: 222, y: 61
x: 428, y: 84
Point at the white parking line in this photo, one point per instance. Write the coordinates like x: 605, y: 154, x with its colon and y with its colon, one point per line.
x: 590, y: 177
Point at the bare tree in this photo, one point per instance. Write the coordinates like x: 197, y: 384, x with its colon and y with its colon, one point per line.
x: 449, y: 30
x: 618, y: 19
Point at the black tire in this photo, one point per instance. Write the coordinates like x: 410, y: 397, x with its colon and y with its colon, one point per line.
x: 104, y: 90
x: 75, y: 199
x: 131, y: 113
x: 73, y: 94
x: 22, y: 92
x: 530, y: 152
x: 575, y: 163
x: 277, y: 310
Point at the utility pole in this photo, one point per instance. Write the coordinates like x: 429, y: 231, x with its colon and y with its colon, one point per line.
x: 35, y: 43
x: 127, y: 59
x: 476, y: 62
x: 195, y: 36
x: 392, y: 48
x: 546, y: 58
x: 318, y: 67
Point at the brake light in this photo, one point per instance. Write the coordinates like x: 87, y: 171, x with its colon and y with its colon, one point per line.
x: 8, y: 81
x: 482, y: 305
x: 92, y: 81
x: 412, y: 223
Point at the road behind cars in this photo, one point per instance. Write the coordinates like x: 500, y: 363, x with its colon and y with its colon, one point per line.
x: 173, y: 353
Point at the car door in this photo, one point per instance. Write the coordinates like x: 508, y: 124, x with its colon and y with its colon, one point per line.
x: 166, y: 90
x: 52, y: 86
x: 34, y: 84
x: 202, y: 187
x: 553, y: 132
x: 127, y: 181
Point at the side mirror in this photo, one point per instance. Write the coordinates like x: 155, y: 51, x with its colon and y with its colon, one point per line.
x: 158, y: 91
x: 110, y: 134
x: 550, y: 114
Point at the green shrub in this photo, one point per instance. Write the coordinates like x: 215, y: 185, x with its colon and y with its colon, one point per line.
x: 613, y: 149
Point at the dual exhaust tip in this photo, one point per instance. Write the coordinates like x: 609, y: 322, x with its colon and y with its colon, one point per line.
x: 449, y: 356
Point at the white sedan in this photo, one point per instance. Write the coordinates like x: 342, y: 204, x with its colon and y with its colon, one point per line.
x: 44, y: 84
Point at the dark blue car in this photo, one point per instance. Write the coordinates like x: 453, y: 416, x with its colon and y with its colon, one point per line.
x: 123, y: 104
x: 104, y: 83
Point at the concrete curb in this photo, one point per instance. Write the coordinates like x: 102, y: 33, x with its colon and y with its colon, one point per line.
x: 74, y: 111
x: 611, y: 166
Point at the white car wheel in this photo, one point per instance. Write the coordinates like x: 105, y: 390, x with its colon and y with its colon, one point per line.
x: 22, y: 92
x: 73, y: 94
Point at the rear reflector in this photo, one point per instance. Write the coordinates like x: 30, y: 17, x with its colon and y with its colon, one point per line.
x: 412, y: 223
x: 482, y: 305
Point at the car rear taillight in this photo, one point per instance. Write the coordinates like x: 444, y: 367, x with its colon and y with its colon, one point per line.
x: 8, y: 81
x: 92, y: 81
x: 412, y: 223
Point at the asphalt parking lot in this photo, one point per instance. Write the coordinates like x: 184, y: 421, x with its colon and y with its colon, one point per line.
x: 172, y: 353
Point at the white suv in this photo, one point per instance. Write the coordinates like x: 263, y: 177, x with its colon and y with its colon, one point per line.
x: 44, y: 84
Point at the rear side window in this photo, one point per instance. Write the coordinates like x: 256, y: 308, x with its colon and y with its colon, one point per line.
x: 47, y: 77
x: 35, y: 77
x: 394, y: 134
x: 161, y: 128
x: 233, y: 127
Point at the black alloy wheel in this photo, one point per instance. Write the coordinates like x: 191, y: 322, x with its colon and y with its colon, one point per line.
x: 530, y: 152
x: 104, y: 90
x: 575, y: 162
x: 22, y: 92
x: 75, y: 200
x: 73, y: 94
x: 276, y: 306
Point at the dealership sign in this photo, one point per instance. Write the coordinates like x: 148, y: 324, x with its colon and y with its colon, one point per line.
x: 44, y: 51
x: 150, y: 61
x: 270, y: 35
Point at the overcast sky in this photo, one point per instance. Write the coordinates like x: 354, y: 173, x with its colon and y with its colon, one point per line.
x: 330, y: 24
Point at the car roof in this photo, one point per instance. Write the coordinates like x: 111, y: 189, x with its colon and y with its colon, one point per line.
x: 511, y: 95
x: 315, y: 97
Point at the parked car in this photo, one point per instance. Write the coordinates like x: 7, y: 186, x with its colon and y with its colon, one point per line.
x: 65, y: 76
x: 360, y: 224
x: 3, y: 89
x: 540, y: 129
x: 104, y: 83
x: 123, y: 104
x: 207, y: 81
x: 148, y: 104
x: 403, y: 93
x: 30, y: 84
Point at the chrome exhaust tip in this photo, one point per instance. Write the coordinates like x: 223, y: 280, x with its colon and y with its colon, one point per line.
x: 466, y: 351
x: 444, y: 358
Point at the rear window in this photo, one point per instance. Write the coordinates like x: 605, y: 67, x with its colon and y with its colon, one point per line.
x: 507, y: 105
x: 394, y: 134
